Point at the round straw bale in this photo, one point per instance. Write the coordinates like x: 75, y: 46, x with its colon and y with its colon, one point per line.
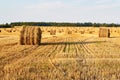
x: 52, y: 32
x: 22, y: 33
x: 69, y: 32
x: 30, y: 36
x: 104, y: 32
x: 37, y: 36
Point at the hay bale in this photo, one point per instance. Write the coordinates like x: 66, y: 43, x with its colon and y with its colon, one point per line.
x: 37, y: 36
x: 75, y: 31
x: 91, y: 32
x: 14, y: 30
x: 60, y: 31
x: 82, y: 32
x: 48, y: 31
x: 104, y: 32
x: 69, y: 32
x: 22, y: 34
x: 9, y: 31
x: 30, y: 36
x: 52, y: 32
x: 27, y: 35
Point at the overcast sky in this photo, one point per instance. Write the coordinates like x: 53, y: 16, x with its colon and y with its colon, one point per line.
x: 103, y: 11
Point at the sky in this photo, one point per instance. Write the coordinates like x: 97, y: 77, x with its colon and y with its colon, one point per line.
x: 96, y: 11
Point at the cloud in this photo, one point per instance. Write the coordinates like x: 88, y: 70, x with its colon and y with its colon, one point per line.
x: 47, y: 5
x: 102, y: 5
x: 102, y: 1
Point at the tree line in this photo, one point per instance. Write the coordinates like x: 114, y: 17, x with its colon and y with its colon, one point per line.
x: 86, y: 24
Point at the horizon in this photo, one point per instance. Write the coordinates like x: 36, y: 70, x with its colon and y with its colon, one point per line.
x: 81, y: 11
x: 60, y: 22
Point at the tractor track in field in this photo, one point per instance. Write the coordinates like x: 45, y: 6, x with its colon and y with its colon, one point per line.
x: 20, y: 54
x: 37, y: 54
x: 118, y: 45
x: 77, y: 48
x: 50, y: 54
x: 105, y: 51
x: 15, y: 57
x: 11, y: 44
x: 22, y: 60
x: 7, y: 45
x: 42, y: 52
x: 55, y: 51
x: 89, y: 51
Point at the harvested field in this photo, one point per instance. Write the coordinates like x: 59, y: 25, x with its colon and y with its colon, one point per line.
x: 62, y: 56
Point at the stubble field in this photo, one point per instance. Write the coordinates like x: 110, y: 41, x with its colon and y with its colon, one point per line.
x: 76, y: 55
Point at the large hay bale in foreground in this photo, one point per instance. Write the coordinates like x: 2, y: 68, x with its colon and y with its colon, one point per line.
x: 30, y: 36
x: 104, y: 32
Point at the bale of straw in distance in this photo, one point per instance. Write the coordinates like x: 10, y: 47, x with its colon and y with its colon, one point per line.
x: 52, y: 32
x: 76, y: 31
x: 91, y: 32
x: 60, y: 31
x: 104, y: 32
x: 69, y: 32
x: 13, y: 30
x: 82, y: 32
x: 30, y: 36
